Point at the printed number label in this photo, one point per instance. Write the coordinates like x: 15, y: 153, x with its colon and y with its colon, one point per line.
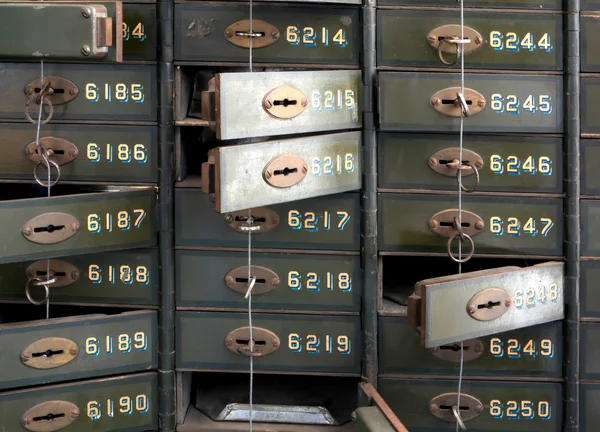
x: 125, y: 406
x: 512, y: 42
x: 516, y: 410
x: 313, y: 283
x: 511, y: 104
x: 312, y: 344
x: 120, y: 92
x: 125, y: 274
x: 331, y: 100
x: 125, y: 221
x: 123, y: 342
x: 138, y: 32
x: 513, y: 165
x: 514, y: 348
x: 532, y: 297
x: 124, y: 153
x: 310, y: 221
x: 330, y: 166
x: 512, y: 226
x: 311, y: 37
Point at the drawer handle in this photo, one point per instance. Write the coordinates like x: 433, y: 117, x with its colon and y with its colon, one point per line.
x: 51, y: 228
x: 263, y: 34
x: 442, y: 407
x: 285, y: 171
x: 65, y: 273
x: 50, y: 416
x: 266, y: 280
x: 263, y: 342
x: 448, y: 102
x: 443, y: 223
x: 49, y: 353
x: 263, y: 219
x: 471, y: 349
x: 489, y: 304
x: 285, y: 102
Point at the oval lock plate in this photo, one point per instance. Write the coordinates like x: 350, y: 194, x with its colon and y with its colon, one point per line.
x: 263, y: 219
x: 285, y: 102
x: 265, y: 341
x: 442, y: 223
x: 489, y: 304
x: 265, y: 34
x: 441, y: 407
x: 446, y: 101
x: 49, y: 353
x: 472, y: 349
x: 61, y: 90
x: 51, y: 228
x: 445, y: 162
x: 61, y: 413
x: 285, y: 171
x: 64, y: 272
x: 435, y: 37
x: 266, y: 280
x: 59, y: 150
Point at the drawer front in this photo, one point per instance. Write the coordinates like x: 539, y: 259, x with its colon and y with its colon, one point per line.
x: 492, y: 4
x: 588, y: 405
x: 590, y: 294
x: 96, y: 222
x: 507, y: 406
x: 284, y: 281
x: 590, y: 92
x: 590, y: 5
x: 139, y: 32
x: 511, y: 226
x: 529, y: 352
x: 306, y: 343
x: 84, y: 152
x: 531, y: 42
x: 590, y: 350
x: 506, y: 164
x: 330, y: 223
x: 590, y: 234
x: 81, y: 347
x: 590, y: 177
x: 296, y: 35
x: 512, y: 103
x: 122, y: 403
x: 103, y: 92
x: 111, y: 278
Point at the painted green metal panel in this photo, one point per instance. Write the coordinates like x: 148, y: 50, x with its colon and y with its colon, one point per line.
x: 590, y: 176
x: 590, y: 350
x: 588, y: 406
x: 139, y: 32
x: 590, y: 93
x: 590, y: 234
x: 536, y: 5
x: 590, y: 294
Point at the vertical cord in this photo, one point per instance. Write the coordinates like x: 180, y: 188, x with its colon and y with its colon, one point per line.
x: 250, y: 284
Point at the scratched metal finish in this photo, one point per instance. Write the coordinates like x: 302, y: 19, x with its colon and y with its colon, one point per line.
x: 98, y: 403
x: 410, y: 400
x: 535, y: 103
x: 110, y: 278
x: 308, y: 343
x: 107, y: 345
x: 327, y: 283
x: 536, y: 42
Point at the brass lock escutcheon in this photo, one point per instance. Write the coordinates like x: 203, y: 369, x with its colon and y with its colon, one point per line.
x: 441, y: 407
x: 444, y: 34
x: 446, y: 163
x: 65, y: 273
x: 263, y: 219
x: 471, y: 349
x: 442, y: 223
x: 49, y: 353
x: 489, y: 304
x: 58, y: 150
x: 51, y: 228
x: 263, y: 34
x: 447, y: 101
x: 285, y: 171
x: 285, y: 102
x: 50, y: 416
x: 266, y: 280
x: 263, y: 342
x: 59, y: 91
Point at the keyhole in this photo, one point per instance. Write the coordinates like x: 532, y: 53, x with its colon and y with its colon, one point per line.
x: 254, y: 219
x: 449, y: 407
x: 48, y: 417
x: 285, y: 171
x: 451, y: 224
x: 488, y: 305
x: 43, y: 273
x: 52, y: 152
x: 49, y: 229
x: 247, y: 342
x: 454, y: 102
x: 445, y: 162
x: 245, y: 280
x: 454, y: 347
x: 286, y: 102
x: 48, y: 353
x: 52, y: 91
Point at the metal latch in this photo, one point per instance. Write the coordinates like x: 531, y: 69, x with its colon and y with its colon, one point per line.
x: 444, y: 405
x: 49, y: 353
x: 65, y: 273
x: 446, y: 163
x: 471, y: 349
x: 263, y: 219
x: 447, y: 40
x: 448, y: 101
x: 263, y: 342
x: 51, y: 228
x: 263, y: 34
x: 58, y: 90
x: 58, y: 150
x: 285, y: 102
x: 444, y: 223
x: 50, y: 416
x: 266, y: 280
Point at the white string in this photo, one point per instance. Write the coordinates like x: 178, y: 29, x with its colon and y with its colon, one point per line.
x: 250, y: 283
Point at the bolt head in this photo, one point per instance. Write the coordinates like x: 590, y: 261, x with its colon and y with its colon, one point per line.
x: 275, y: 344
x: 433, y: 407
x: 25, y: 421
x: 228, y: 218
x: 304, y: 102
x: 229, y: 280
x: 75, y: 275
x: 86, y: 12
x: 25, y: 357
x: 27, y: 231
x: 85, y: 50
x: 268, y: 174
x: 432, y: 39
x: 479, y: 408
x: 275, y: 34
x: 229, y: 342
x: 74, y: 413
x: 75, y: 226
x: 472, y: 308
x: 478, y: 40
x: 267, y: 104
x: 304, y: 169
x: 507, y: 302
x: 435, y: 349
x: 275, y: 281
x: 28, y: 90
x: 481, y: 103
x: 433, y: 161
x: 479, y: 225
x: 74, y: 91
x: 479, y: 348
x: 435, y: 101
x: 433, y: 224
x: 74, y: 351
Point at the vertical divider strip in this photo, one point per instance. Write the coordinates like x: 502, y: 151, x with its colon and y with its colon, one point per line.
x: 166, y: 133
x: 368, y: 204
x: 572, y: 241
